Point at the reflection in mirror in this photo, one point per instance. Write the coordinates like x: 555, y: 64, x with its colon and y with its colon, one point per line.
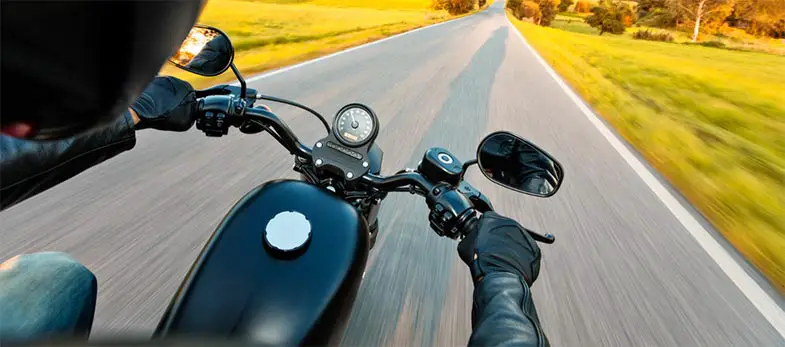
x: 519, y: 165
x: 206, y: 51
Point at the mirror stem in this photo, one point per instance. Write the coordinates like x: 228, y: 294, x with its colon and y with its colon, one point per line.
x: 242, y: 81
x: 466, y: 167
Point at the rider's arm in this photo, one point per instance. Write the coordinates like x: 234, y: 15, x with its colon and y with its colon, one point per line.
x: 504, y: 313
x: 504, y: 261
x: 30, y: 167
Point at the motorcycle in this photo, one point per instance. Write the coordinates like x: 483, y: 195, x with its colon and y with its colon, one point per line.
x: 285, y: 264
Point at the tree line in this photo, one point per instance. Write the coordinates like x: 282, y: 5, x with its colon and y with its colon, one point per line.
x: 455, y: 7
x: 757, y: 17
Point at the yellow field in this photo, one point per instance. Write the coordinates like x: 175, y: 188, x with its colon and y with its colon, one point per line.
x: 711, y: 120
x: 272, y: 33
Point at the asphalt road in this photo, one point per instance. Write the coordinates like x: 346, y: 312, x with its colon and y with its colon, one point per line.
x: 623, y: 272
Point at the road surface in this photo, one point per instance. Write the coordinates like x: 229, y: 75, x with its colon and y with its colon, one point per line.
x: 623, y: 272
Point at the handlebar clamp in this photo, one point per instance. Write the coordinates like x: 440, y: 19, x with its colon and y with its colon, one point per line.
x: 216, y: 112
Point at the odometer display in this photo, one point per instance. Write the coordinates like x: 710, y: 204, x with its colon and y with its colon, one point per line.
x: 354, y: 126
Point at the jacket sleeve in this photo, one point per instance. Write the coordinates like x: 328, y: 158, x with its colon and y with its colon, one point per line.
x: 503, y: 313
x: 30, y: 167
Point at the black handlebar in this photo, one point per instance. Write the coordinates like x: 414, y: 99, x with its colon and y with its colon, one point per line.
x: 453, y: 207
x: 285, y: 135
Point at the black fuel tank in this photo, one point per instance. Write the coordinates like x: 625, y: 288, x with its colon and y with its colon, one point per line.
x: 239, y: 287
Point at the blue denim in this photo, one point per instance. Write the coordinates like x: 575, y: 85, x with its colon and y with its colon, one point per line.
x: 46, y: 295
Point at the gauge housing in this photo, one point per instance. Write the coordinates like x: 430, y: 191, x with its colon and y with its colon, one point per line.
x: 369, y: 139
x: 349, y: 160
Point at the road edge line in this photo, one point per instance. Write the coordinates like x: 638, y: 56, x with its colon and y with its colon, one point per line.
x: 764, y: 303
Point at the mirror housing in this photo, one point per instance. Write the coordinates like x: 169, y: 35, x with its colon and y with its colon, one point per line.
x: 517, y: 164
x: 206, y: 51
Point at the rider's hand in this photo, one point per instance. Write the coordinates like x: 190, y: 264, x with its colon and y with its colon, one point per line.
x: 499, y: 244
x: 167, y: 103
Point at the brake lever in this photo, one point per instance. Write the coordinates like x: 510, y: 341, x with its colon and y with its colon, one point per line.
x: 481, y: 202
x: 544, y: 238
x: 226, y: 89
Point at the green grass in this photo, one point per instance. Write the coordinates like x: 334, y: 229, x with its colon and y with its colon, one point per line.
x: 711, y: 120
x: 268, y: 34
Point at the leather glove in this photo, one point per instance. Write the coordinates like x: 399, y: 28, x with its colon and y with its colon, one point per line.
x: 168, y: 103
x: 499, y: 244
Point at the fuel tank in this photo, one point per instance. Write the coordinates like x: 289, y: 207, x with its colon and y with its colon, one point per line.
x: 258, y: 279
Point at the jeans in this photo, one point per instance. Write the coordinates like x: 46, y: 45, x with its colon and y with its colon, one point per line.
x: 45, y: 295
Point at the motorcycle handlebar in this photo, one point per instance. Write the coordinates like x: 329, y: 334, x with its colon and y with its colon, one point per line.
x: 218, y: 111
x: 284, y: 135
x: 401, y: 179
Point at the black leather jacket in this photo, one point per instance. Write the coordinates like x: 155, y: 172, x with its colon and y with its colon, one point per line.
x: 30, y: 167
x: 503, y: 313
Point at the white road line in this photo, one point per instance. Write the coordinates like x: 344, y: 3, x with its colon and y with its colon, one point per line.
x: 757, y: 296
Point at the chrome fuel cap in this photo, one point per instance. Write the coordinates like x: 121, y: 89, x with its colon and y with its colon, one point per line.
x: 287, y: 232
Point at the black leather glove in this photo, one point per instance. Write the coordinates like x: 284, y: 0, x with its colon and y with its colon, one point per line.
x: 168, y: 103
x: 499, y: 244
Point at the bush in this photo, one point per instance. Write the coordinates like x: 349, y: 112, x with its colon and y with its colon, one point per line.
x: 715, y: 44
x: 647, y: 34
x: 481, y: 3
x: 583, y: 7
x: 531, y: 10
x: 548, y: 9
x: 658, y: 18
x: 564, y: 5
x: 608, y: 17
x: 514, y: 5
x: 454, y: 6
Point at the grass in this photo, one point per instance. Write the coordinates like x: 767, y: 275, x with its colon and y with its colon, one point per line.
x: 268, y: 34
x: 710, y: 120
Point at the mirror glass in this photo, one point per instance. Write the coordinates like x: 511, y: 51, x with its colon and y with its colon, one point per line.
x: 206, y: 51
x: 519, y: 165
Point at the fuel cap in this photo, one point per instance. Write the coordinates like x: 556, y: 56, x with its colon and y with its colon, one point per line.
x: 287, y: 232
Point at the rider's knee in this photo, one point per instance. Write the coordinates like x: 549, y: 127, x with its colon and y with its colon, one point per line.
x: 44, y: 294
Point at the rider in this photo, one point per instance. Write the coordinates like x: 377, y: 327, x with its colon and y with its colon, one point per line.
x: 213, y: 55
x: 518, y: 164
x: 85, y: 82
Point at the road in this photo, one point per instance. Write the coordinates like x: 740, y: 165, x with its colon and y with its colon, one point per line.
x: 623, y: 272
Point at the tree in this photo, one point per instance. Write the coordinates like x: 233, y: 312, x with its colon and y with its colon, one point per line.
x: 646, y: 7
x: 454, y: 6
x: 759, y: 17
x: 698, y: 10
x: 481, y: 3
x: 548, y: 8
x: 582, y: 7
x: 514, y: 5
x: 608, y: 17
x: 564, y: 5
x: 657, y: 13
x: 531, y: 10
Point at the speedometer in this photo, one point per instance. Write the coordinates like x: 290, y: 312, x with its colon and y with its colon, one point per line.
x: 355, y: 125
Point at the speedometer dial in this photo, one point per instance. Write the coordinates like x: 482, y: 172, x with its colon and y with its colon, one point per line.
x: 354, y: 125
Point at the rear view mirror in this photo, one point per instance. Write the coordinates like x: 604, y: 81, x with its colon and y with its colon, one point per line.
x: 206, y: 51
x: 517, y: 164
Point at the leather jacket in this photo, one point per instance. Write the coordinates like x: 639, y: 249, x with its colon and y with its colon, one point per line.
x: 503, y: 312
x: 30, y: 167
